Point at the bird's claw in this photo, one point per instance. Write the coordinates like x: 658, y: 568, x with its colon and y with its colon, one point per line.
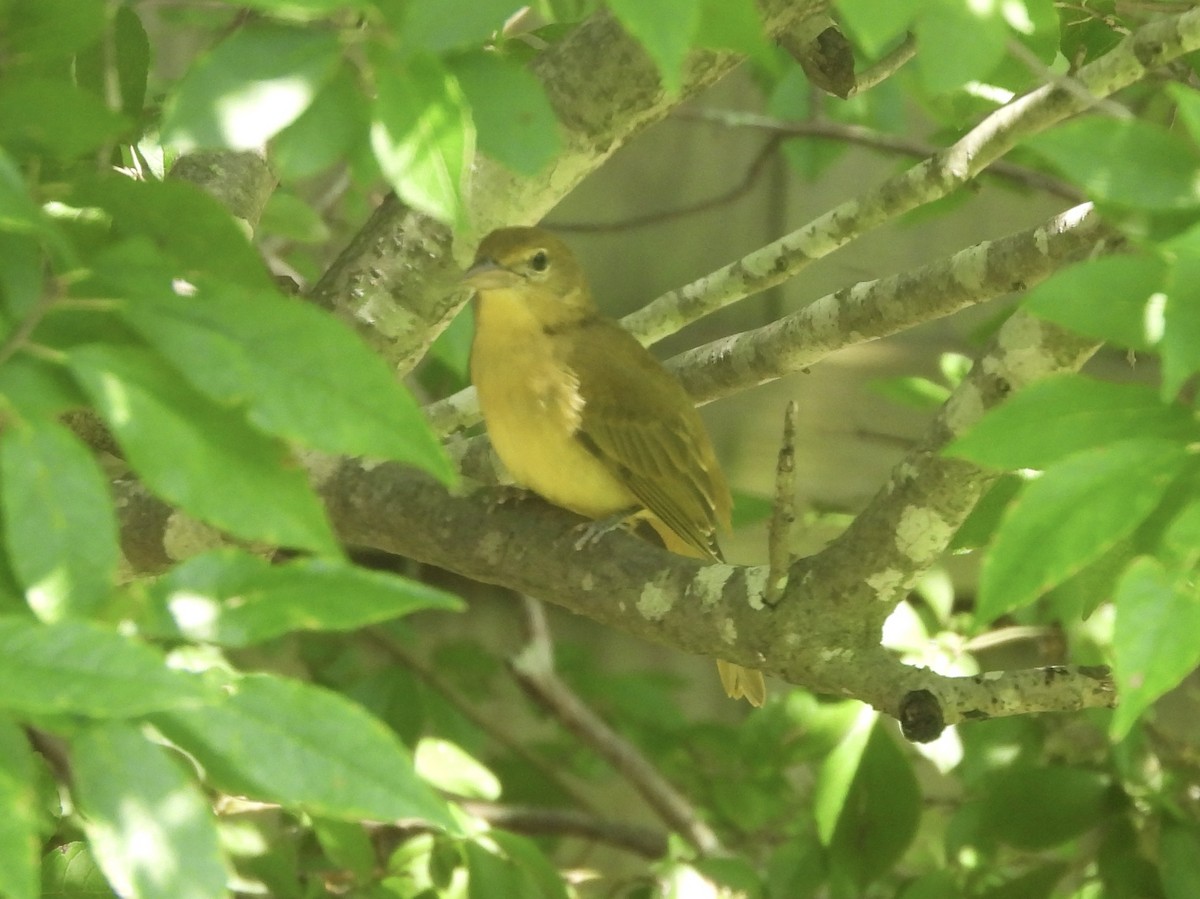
x: 592, y: 531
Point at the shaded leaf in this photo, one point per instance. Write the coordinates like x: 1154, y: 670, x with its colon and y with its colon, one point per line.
x: 150, y: 828
x: 305, y: 748
x: 665, y: 29
x: 1125, y: 161
x: 1065, y: 414
x: 514, y: 121
x: 255, y: 83
x: 232, y: 598
x: 73, y: 667
x: 59, y: 526
x: 198, y: 455
x: 1071, y: 515
x: 1154, y: 640
x: 301, y: 373
x: 422, y: 136
x: 19, y: 838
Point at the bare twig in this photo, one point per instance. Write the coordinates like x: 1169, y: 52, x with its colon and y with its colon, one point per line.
x: 755, y: 169
x: 826, y: 129
x: 886, y: 67
x: 783, y: 512
x: 533, y: 668
x: 486, y: 723
x: 534, y: 820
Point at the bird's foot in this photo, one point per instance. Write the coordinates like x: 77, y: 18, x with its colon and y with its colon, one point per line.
x: 506, y: 493
x: 592, y: 531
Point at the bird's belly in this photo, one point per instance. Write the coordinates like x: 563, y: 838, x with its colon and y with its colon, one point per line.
x: 532, y: 413
x: 541, y: 455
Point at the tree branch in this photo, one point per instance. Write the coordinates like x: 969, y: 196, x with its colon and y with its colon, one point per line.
x: 396, y: 278
x: 1147, y: 48
x: 873, y: 309
x: 865, y: 311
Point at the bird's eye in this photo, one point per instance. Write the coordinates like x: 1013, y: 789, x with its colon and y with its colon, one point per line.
x: 540, y: 261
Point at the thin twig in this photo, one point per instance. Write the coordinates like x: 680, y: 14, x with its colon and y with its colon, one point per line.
x: 534, y: 671
x: 1072, y: 86
x: 825, y: 129
x: 486, y: 723
x: 886, y: 67
x: 534, y: 820
x: 783, y: 512
x: 756, y: 168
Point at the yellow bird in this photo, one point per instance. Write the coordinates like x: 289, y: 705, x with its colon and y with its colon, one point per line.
x: 583, y: 415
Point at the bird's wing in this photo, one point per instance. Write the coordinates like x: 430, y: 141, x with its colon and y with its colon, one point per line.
x: 644, y: 428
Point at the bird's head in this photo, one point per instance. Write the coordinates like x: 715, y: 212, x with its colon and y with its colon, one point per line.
x: 534, y: 266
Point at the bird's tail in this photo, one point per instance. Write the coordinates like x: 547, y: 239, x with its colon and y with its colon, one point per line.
x: 739, y: 682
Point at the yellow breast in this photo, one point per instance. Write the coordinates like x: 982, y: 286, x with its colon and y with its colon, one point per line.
x: 532, y: 405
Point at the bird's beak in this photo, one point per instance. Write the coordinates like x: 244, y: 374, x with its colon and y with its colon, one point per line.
x: 487, y: 274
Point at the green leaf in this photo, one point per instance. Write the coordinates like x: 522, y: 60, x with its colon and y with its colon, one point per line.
x: 305, y: 748
x: 543, y: 877
x: 422, y: 136
x: 198, y: 455
x: 150, y: 828
x: 1179, y: 859
x: 1038, y: 807
x: 153, y: 210
x: 947, y: 61
x: 290, y: 217
x: 452, y: 769
x: 1188, y: 100
x: 1038, y: 883
x: 877, y: 27
x: 1129, y: 162
x: 77, y: 668
x: 131, y: 52
x: 59, y: 526
x: 1071, y: 515
x: 235, y: 599
x: 1180, y: 344
x: 879, y: 818
x: 22, y: 274
x: 1109, y: 298
x: 1065, y: 414
x: 976, y: 532
x: 734, y: 25
x: 514, y: 121
x: 301, y: 373
x: 52, y: 117
x: 18, y: 212
x: 504, y: 865
x: 70, y: 872
x: 250, y: 87
x: 305, y: 10
x: 19, y: 838
x: 666, y: 29
x: 34, y: 388
x: 837, y: 774
x: 1154, y: 639
x: 327, y: 132
x: 53, y: 29
x: 347, y: 845
x: 428, y: 25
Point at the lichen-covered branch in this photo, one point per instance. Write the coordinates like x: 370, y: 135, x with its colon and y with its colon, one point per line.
x: 879, y: 308
x: 865, y: 311
x: 945, y: 171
